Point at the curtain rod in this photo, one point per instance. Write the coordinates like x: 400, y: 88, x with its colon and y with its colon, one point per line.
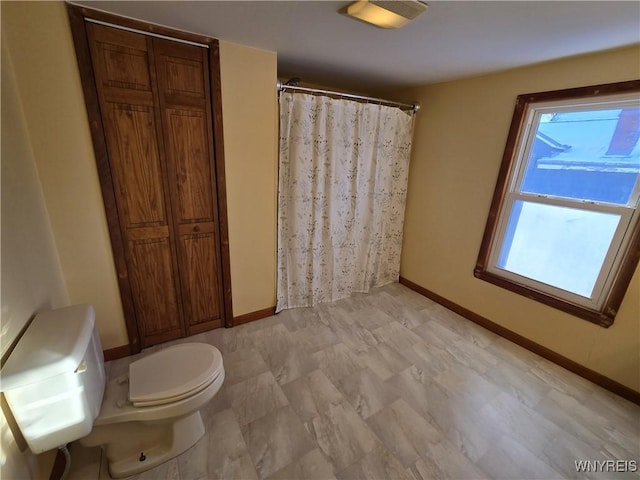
x: 414, y: 107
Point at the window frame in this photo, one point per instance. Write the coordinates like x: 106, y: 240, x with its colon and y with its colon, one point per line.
x: 621, y: 267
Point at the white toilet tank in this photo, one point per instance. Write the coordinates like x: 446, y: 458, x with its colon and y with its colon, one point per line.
x: 54, y: 379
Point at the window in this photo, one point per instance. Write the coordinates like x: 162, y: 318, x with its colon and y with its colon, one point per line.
x: 564, y: 224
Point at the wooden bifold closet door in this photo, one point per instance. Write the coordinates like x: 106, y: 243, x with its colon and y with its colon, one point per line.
x: 155, y: 105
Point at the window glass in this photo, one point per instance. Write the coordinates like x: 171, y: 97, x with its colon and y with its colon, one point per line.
x: 591, y: 155
x: 559, y: 246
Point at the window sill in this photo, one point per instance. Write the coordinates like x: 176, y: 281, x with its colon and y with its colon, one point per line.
x: 604, y: 319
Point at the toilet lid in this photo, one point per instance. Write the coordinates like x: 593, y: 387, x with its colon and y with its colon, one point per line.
x: 173, y: 373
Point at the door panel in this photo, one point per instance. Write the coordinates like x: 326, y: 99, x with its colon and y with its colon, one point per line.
x: 151, y: 273
x: 125, y: 67
x: 186, y: 114
x: 135, y: 164
x: 200, y: 267
x: 120, y: 58
x: 186, y: 136
x: 184, y: 76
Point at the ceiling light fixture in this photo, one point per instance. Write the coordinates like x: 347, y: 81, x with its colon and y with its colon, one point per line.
x: 385, y: 14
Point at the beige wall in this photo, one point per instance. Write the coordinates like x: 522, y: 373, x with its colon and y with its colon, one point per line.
x: 47, y: 76
x: 31, y: 276
x: 49, y: 86
x: 458, y: 143
x: 249, y: 109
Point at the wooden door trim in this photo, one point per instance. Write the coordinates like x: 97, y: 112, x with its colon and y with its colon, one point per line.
x: 218, y: 147
x: 77, y: 15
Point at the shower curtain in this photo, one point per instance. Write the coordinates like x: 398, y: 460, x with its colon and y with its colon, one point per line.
x: 341, y: 197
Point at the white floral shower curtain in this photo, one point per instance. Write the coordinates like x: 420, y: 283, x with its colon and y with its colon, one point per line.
x: 341, y: 197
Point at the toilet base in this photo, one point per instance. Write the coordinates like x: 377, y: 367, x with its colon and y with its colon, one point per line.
x: 141, y: 446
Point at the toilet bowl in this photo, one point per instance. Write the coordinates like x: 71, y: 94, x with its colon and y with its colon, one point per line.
x: 152, y: 414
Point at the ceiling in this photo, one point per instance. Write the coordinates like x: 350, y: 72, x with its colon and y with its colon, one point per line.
x: 453, y: 39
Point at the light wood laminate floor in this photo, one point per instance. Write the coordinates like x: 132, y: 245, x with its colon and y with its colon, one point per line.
x: 390, y: 385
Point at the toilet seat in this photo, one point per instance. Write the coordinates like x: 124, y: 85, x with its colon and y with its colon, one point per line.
x: 173, y: 374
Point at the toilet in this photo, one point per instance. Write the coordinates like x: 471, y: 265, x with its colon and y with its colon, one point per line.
x: 152, y: 414
x: 54, y: 383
